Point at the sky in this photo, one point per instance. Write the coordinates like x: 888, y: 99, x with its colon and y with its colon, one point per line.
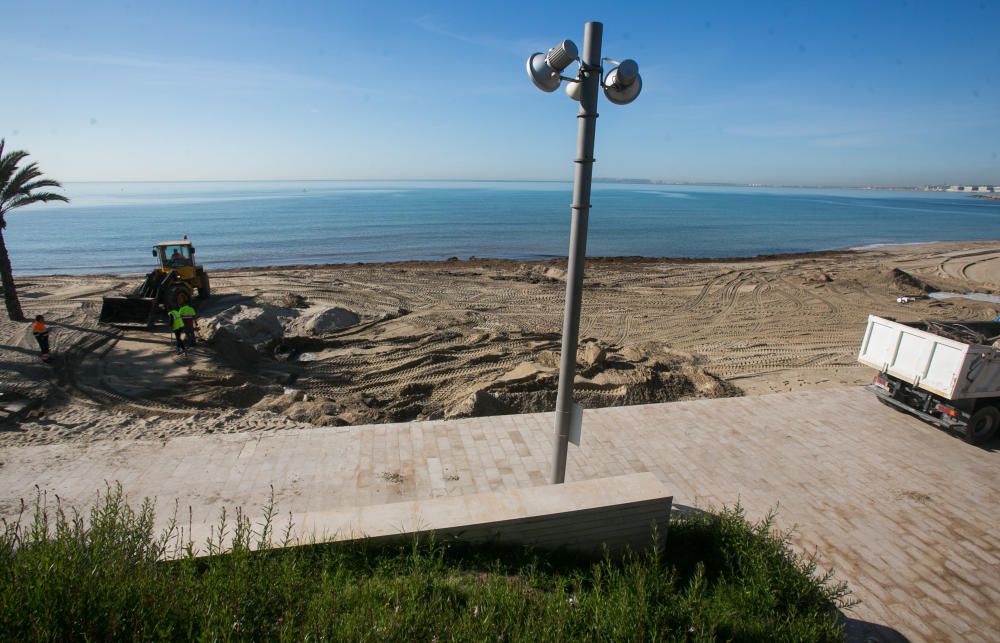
x: 788, y: 93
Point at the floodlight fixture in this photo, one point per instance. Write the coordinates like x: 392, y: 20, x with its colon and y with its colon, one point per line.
x: 545, y: 69
x: 623, y: 83
x: 574, y: 89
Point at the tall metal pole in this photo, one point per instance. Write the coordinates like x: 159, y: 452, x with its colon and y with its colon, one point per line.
x: 590, y: 79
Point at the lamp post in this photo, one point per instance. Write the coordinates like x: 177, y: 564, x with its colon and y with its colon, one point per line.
x: 621, y: 86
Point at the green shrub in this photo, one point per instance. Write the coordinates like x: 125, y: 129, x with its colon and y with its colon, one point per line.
x: 104, y: 578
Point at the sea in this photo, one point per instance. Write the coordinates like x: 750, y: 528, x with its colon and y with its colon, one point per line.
x: 111, y: 227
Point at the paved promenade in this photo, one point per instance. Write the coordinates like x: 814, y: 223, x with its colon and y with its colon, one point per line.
x: 907, y: 514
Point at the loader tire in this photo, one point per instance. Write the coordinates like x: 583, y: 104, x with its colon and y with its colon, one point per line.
x: 176, y: 297
x: 982, y: 425
x: 205, y: 289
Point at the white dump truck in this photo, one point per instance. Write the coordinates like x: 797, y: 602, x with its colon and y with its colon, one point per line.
x: 947, y: 373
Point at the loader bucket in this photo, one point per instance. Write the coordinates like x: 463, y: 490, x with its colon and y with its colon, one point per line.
x: 128, y: 310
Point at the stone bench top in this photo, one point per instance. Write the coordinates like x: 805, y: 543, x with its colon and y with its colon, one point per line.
x: 582, y: 515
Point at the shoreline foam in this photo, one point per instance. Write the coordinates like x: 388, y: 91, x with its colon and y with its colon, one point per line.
x: 621, y: 259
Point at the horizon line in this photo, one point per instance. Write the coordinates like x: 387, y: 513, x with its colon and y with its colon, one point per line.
x: 640, y: 181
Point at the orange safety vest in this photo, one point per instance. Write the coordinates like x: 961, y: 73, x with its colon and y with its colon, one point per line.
x: 38, y: 327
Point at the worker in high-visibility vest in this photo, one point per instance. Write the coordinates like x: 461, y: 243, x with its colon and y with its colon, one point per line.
x: 41, y: 333
x: 177, y: 327
x: 188, y: 314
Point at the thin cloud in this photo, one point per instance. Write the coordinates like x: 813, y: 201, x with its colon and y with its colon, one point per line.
x: 518, y: 47
x: 817, y: 134
x: 784, y: 130
x: 184, y: 71
x: 844, y: 141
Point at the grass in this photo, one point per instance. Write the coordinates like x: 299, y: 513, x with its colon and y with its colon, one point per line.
x: 104, y: 578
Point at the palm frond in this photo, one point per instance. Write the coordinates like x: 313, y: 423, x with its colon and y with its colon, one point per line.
x: 8, y: 165
x: 16, y: 184
x: 23, y: 200
x: 44, y: 183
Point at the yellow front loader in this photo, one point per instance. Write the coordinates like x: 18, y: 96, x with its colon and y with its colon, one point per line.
x: 172, y: 283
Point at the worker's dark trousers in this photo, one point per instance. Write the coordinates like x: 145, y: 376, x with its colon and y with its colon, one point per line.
x: 189, y: 330
x: 43, y: 342
x: 179, y: 336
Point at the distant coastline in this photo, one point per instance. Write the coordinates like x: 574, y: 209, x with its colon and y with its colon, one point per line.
x: 985, y: 191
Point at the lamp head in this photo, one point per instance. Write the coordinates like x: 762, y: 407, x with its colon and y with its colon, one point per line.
x: 623, y: 83
x: 544, y: 69
x: 575, y: 89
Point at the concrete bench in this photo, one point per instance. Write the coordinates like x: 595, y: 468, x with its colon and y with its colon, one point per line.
x: 619, y: 512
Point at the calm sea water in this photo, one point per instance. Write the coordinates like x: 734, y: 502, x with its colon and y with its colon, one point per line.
x: 109, y: 227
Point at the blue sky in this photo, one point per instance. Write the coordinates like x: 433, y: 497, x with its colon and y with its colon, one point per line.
x: 835, y: 93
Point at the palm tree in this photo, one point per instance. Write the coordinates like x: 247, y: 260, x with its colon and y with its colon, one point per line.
x: 17, y: 189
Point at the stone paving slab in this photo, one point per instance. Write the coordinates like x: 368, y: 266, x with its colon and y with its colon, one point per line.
x: 906, y: 513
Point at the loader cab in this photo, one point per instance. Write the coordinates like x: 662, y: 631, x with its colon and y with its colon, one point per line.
x: 175, y: 255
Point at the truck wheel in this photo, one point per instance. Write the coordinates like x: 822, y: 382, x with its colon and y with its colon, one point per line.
x: 982, y: 425
x: 205, y: 289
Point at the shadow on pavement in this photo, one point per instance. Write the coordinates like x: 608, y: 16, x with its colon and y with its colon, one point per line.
x: 858, y: 631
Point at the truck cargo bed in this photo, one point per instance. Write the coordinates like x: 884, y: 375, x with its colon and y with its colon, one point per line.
x: 955, y: 360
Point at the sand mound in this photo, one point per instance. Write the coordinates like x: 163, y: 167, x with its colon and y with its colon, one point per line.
x: 533, y: 274
x: 322, y: 322
x: 606, y: 376
x: 243, y: 333
x: 907, y: 283
x: 247, y: 329
x: 254, y: 325
x: 557, y: 274
x: 300, y: 407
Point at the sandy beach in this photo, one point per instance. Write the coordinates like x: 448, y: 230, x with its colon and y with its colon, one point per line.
x: 356, y: 344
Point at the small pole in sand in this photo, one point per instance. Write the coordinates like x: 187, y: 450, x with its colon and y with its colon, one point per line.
x: 621, y: 86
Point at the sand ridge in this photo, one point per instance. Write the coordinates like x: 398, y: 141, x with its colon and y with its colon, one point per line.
x: 355, y: 344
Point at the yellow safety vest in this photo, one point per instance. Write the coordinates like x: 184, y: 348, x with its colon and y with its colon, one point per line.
x: 175, y: 320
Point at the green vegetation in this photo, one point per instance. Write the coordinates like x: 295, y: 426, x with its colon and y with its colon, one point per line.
x: 66, y: 578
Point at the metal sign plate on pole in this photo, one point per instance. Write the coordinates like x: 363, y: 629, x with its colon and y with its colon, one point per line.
x: 575, y: 423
